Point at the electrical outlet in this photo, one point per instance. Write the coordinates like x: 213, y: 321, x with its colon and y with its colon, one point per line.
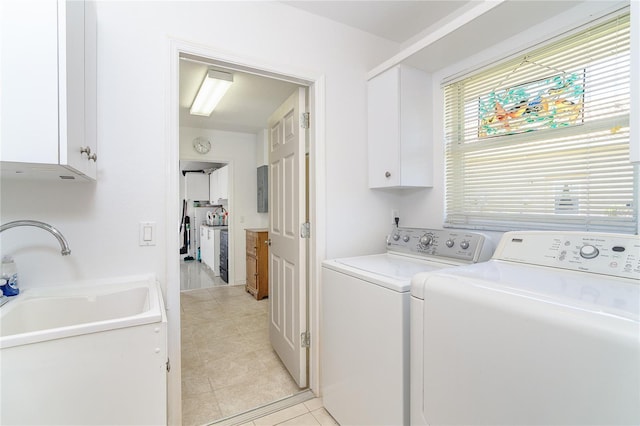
x: 394, y: 213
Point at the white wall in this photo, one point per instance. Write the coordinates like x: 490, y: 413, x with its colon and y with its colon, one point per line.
x: 101, y: 220
x: 239, y: 149
x: 262, y: 155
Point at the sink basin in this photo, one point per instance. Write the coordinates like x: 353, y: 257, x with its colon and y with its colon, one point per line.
x: 55, y: 312
x: 91, y: 353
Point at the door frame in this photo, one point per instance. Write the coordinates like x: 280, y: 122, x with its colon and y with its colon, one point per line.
x: 317, y: 217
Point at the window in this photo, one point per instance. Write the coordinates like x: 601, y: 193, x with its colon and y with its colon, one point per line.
x: 542, y: 141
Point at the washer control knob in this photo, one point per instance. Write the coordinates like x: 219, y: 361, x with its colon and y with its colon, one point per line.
x: 588, y: 251
x: 450, y: 243
x: 396, y: 237
x: 426, y: 240
x: 406, y: 238
x: 464, y: 245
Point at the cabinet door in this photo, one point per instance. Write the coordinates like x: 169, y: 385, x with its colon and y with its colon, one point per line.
x: 29, y: 80
x: 204, y: 247
x: 251, y: 243
x: 49, y: 64
x: 252, y: 274
x: 383, y: 115
x: 71, y: 83
x: 223, y: 182
x: 214, y: 195
x: 399, y: 129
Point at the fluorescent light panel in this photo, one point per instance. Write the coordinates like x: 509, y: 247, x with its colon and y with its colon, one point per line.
x: 212, y: 89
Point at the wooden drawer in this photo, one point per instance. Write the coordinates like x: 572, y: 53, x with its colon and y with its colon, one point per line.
x: 252, y: 243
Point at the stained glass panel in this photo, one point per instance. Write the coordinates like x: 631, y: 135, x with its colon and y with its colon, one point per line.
x: 548, y: 103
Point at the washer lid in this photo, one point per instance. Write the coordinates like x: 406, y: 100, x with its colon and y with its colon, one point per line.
x: 388, y: 270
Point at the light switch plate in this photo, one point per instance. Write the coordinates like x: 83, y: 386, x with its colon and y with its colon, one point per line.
x: 147, y: 234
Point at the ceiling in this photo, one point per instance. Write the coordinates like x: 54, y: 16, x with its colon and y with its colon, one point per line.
x: 252, y: 98
x: 397, y: 20
x: 245, y: 108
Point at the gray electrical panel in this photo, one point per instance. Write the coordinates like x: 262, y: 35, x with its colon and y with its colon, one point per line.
x: 263, y: 189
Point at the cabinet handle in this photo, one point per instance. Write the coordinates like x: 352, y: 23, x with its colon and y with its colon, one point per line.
x: 387, y: 174
x: 87, y: 150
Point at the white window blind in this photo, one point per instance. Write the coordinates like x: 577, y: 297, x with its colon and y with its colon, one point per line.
x: 542, y: 141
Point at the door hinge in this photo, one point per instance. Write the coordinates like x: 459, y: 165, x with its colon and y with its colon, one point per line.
x: 305, y: 339
x: 305, y: 230
x: 304, y: 120
x: 168, y: 365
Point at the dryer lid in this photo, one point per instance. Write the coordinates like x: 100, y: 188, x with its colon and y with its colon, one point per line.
x: 580, y: 290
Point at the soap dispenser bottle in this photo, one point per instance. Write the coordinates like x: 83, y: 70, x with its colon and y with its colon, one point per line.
x: 9, y: 277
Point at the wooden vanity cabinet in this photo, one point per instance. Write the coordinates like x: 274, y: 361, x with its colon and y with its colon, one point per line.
x: 257, y: 263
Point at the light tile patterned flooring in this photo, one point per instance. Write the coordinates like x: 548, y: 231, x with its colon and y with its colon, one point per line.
x: 228, y: 365
x: 307, y: 413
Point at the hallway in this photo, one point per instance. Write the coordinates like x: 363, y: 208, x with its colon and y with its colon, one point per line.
x: 228, y: 365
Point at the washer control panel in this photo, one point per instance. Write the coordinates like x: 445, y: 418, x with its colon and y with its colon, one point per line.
x: 459, y: 245
x: 600, y: 253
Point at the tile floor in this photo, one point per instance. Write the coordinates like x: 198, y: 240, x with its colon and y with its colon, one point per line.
x: 307, y: 413
x: 228, y: 365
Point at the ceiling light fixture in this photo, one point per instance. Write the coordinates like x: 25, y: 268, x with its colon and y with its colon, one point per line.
x: 212, y: 89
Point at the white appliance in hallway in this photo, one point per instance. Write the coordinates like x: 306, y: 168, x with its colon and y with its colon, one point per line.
x: 210, y: 247
x: 198, y: 219
x: 546, y: 332
x: 365, y: 322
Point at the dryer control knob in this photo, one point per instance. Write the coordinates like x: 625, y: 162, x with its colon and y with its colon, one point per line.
x: 396, y: 237
x: 450, y: 243
x: 464, y: 245
x: 588, y: 251
x: 406, y: 238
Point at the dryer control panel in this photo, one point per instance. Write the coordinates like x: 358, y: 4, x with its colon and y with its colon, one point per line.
x: 459, y: 245
x: 600, y: 253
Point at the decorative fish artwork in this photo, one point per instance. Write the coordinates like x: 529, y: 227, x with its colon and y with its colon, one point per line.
x: 543, y: 104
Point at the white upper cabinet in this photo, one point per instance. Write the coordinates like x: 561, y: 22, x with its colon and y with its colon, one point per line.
x: 223, y: 182
x: 219, y: 185
x: 48, y: 85
x: 399, y: 129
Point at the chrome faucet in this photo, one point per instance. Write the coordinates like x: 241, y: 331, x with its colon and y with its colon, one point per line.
x: 51, y: 229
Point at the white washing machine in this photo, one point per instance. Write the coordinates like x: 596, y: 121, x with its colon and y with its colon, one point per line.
x: 364, y: 347
x: 546, y: 332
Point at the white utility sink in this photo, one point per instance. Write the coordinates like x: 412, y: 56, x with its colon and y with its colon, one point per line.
x: 90, y: 353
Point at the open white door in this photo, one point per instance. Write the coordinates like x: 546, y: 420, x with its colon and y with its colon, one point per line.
x: 287, y: 254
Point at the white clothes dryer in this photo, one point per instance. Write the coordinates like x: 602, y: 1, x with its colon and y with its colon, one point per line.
x: 546, y: 332
x: 364, y: 335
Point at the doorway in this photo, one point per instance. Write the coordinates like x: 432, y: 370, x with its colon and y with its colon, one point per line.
x: 238, y: 291
x: 205, y: 204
